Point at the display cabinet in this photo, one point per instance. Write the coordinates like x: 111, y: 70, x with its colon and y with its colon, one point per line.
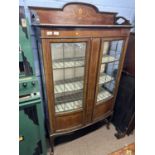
x: 81, y: 52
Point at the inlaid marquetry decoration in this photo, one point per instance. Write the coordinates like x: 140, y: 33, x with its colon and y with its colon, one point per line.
x: 78, y: 13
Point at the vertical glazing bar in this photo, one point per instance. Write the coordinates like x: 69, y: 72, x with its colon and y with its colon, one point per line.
x: 74, y: 64
x: 64, y: 70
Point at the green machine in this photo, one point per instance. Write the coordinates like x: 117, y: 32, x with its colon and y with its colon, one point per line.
x: 31, y: 122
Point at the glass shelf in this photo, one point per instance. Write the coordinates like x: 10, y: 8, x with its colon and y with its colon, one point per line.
x: 103, y: 94
x: 108, y: 59
x: 69, y: 102
x: 104, y: 78
x: 68, y: 97
x: 70, y: 62
x: 77, y: 83
x: 78, y: 62
x: 73, y: 86
x: 69, y: 106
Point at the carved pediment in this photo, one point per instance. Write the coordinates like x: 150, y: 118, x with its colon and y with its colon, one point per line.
x: 73, y: 14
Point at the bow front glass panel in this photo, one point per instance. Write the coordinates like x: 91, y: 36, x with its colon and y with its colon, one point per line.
x: 109, y: 63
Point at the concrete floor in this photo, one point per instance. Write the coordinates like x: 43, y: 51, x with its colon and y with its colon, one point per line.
x: 98, y: 142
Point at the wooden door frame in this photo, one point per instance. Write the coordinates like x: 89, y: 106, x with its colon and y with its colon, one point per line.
x: 122, y: 56
x: 49, y: 85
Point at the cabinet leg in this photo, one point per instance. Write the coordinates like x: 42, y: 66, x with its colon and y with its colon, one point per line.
x: 108, y: 121
x: 52, y: 145
x: 51, y: 153
x: 107, y: 124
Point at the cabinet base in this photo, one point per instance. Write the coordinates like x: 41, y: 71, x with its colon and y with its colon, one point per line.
x: 59, y: 138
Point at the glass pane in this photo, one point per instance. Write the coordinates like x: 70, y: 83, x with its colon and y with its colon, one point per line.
x: 68, y: 73
x: 109, y: 66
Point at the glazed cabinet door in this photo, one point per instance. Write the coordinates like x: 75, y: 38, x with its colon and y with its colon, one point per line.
x: 107, y: 78
x: 66, y: 65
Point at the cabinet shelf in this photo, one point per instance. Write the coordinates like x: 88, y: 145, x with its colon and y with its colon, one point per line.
x: 105, y: 78
x: 70, y: 80
x: 108, y: 59
x: 69, y: 106
x: 77, y: 84
x: 103, y: 94
x: 68, y: 63
x: 69, y: 102
x: 67, y: 87
x: 69, y: 97
x: 78, y: 62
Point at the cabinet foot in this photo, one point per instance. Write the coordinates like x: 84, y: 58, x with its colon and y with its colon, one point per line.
x: 108, y: 121
x: 107, y: 124
x: 119, y: 135
x: 52, y: 153
x: 51, y: 145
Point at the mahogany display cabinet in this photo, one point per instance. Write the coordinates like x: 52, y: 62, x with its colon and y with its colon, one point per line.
x: 82, y: 52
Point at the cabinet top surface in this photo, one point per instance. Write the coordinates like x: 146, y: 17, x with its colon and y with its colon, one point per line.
x: 76, y: 15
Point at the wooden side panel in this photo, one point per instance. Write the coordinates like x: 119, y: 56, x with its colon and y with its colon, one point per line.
x: 129, y: 63
x: 66, y: 122
x: 48, y: 78
x: 102, y: 109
